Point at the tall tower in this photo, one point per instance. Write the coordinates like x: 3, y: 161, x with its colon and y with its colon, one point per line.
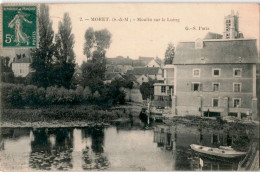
x: 231, y: 26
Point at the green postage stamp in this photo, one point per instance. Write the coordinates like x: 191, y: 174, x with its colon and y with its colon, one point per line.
x: 19, y: 26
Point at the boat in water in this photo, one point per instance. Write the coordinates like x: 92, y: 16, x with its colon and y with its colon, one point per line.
x: 222, y: 151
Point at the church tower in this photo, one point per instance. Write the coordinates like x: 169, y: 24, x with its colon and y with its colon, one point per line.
x: 231, y: 26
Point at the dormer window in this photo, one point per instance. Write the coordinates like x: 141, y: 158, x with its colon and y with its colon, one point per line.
x: 198, y: 44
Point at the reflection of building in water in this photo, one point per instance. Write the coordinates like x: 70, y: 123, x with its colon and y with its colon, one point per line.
x: 165, y: 137
x: 219, y: 137
x: 179, y: 140
x: 206, y: 164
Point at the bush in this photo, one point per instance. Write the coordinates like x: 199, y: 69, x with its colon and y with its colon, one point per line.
x: 18, y: 96
x: 33, y: 96
x: 15, y: 96
x: 86, y: 93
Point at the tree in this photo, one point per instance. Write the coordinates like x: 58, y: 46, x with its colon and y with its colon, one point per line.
x: 6, y: 72
x: 64, y: 67
x: 96, y: 40
x: 169, y: 54
x: 93, y: 71
x: 42, y: 56
x: 147, y: 90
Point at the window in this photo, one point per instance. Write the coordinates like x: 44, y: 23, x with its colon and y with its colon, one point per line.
x: 236, y: 102
x: 237, y: 72
x: 215, y: 102
x: 196, y: 72
x: 227, y: 36
x: 216, y: 72
x: 163, y: 89
x: 196, y: 87
x: 160, y: 98
x: 215, y: 86
x: 236, y: 87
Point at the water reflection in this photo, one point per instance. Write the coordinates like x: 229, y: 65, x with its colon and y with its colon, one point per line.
x: 51, y: 149
x: 124, y: 147
x: 178, y: 139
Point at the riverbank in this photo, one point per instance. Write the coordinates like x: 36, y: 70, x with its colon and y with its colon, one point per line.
x: 67, y: 116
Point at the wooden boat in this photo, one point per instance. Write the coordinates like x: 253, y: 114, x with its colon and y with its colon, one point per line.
x: 219, y: 152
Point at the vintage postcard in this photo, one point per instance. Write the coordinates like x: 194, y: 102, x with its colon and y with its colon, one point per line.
x: 129, y: 87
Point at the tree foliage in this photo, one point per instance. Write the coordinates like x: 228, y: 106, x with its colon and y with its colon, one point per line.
x: 169, y: 54
x: 93, y: 71
x: 64, y: 67
x: 43, y: 55
x: 96, y: 41
x: 6, y: 72
x: 147, y: 90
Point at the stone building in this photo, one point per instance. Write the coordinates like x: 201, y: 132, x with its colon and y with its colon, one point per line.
x: 216, y: 77
x: 21, y: 66
x: 163, y: 91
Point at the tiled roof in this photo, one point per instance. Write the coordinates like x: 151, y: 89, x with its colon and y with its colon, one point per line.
x: 22, y: 59
x: 211, y: 35
x: 217, y: 51
x: 144, y: 71
x: 112, y: 75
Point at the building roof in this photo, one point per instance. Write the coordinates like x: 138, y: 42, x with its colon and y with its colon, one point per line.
x: 22, y: 59
x: 144, y: 71
x: 113, y: 75
x: 211, y: 35
x: 217, y: 51
x: 119, y: 60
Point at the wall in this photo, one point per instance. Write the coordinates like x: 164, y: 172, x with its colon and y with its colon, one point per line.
x: 21, y: 69
x: 142, y: 79
x: 189, y: 102
x: 153, y: 63
x: 134, y: 95
x: 169, y: 75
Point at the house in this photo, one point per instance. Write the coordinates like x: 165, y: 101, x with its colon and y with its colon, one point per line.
x: 143, y: 74
x: 216, y: 77
x: 140, y: 79
x: 163, y: 92
x: 109, y: 77
x: 146, y: 62
x: 153, y: 63
x: 121, y: 68
x: 21, y: 65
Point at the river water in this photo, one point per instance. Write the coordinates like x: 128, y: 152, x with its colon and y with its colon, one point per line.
x: 116, y: 148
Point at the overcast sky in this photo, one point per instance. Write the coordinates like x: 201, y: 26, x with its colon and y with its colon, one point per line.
x: 136, y: 39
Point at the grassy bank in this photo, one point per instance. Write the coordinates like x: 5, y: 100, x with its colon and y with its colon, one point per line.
x: 65, y: 116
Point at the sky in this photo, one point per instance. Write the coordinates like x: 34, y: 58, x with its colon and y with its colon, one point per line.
x: 151, y: 38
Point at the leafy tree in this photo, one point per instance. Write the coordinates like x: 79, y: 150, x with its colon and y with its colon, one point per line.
x: 169, y: 54
x: 93, y: 71
x: 64, y: 67
x: 96, y: 40
x: 5, y: 64
x: 6, y: 72
x: 43, y: 55
x: 147, y: 90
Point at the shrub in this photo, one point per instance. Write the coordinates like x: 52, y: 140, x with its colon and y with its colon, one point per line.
x: 86, y: 93
x: 15, y: 96
x: 33, y: 96
x: 51, y: 95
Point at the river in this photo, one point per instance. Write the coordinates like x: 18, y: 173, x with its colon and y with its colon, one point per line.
x: 115, y: 148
